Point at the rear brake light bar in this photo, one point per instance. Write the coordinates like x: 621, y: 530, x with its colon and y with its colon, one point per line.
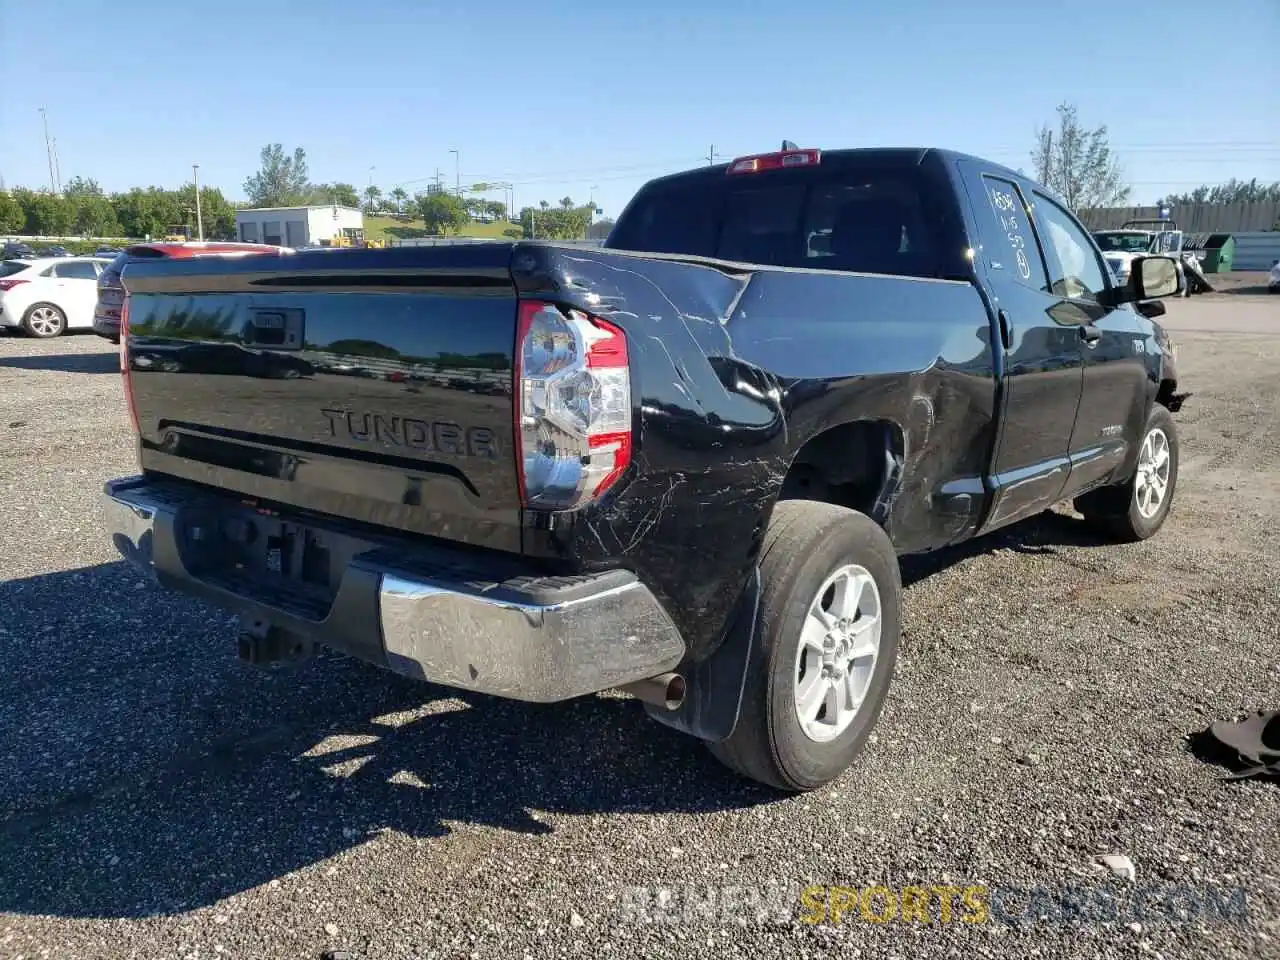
x: 10, y: 284
x: 780, y: 160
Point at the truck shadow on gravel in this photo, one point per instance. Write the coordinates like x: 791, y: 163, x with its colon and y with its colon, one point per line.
x: 148, y: 772
x: 66, y: 363
x: 1044, y: 534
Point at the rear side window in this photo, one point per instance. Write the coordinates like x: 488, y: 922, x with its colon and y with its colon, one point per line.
x: 9, y: 267
x: 77, y: 270
x: 1015, y: 249
x: 870, y: 221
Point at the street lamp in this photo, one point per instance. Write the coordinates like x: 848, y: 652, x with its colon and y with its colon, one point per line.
x: 48, y: 147
x: 195, y: 169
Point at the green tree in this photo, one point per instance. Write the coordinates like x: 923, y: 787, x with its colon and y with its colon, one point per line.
x: 13, y: 219
x: 399, y: 195
x: 1078, y: 163
x: 555, y: 223
x: 281, y: 181
x: 95, y: 216
x: 343, y: 194
x: 1233, y: 191
x: 50, y: 216
x: 81, y: 187
x: 372, y: 196
x: 219, y: 214
x: 150, y: 212
x: 442, y: 212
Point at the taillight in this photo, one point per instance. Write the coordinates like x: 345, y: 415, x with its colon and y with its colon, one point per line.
x: 10, y: 284
x: 572, y: 406
x: 124, y: 363
x: 781, y: 160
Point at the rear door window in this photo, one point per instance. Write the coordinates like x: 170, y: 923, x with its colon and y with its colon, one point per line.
x: 1012, y: 245
x: 9, y: 267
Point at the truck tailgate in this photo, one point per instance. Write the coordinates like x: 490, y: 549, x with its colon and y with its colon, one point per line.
x: 372, y: 385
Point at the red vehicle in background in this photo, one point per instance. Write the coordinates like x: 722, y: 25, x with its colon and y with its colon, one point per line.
x: 106, y: 315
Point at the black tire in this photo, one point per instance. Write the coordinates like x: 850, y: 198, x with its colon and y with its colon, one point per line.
x: 41, y: 331
x: 805, y: 544
x: 1115, y: 510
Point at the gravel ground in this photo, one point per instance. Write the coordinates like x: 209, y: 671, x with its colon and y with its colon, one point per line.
x: 160, y: 799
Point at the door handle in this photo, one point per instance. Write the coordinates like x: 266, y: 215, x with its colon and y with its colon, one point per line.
x: 1006, y: 334
x: 1090, y: 335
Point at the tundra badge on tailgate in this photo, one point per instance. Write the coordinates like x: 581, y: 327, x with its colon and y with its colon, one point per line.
x: 393, y: 431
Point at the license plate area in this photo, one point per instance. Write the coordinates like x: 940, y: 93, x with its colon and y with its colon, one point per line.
x: 258, y: 554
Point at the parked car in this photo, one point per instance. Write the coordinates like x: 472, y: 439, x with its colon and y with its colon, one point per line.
x: 709, y: 463
x: 107, y: 252
x: 106, y: 314
x: 1273, y: 278
x: 47, y: 296
x: 54, y: 251
x: 17, y: 250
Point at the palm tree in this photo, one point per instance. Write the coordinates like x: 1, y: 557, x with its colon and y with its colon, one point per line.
x: 399, y: 195
x: 373, y: 195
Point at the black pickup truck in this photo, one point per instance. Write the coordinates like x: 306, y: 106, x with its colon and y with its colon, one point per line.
x: 683, y: 464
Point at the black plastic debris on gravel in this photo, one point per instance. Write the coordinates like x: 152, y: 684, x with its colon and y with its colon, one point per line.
x: 1249, y: 747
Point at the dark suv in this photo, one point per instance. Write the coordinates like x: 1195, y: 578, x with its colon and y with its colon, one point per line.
x: 106, y: 315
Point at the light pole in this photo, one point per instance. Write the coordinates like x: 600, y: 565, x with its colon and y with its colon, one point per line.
x: 48, y: 149
x: 457, y: 171
x: 195, y: 170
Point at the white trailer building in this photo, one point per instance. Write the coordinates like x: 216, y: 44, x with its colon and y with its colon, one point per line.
x: 300, y: 226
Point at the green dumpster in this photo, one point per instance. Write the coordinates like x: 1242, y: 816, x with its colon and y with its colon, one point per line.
x: 1219, y: 253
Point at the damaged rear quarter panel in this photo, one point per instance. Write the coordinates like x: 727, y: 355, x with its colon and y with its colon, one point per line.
x: 733, y: 370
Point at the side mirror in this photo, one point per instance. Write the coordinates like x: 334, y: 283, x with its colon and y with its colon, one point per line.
x: 1153, y: 277
x: 1149, y: 278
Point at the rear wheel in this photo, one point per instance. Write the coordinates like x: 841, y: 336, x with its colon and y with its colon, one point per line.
x: 44, y: 320
x: 830, y: 617
x: 1138, y: 508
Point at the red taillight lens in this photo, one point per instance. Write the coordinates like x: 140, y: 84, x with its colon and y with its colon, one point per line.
x: 10, y: 284
x: 124, y: 363
x: 572, y: 406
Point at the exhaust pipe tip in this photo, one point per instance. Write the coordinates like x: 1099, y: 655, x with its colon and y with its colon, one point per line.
x: 666, y: 690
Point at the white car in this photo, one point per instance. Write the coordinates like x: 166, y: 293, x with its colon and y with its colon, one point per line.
x: 49, y: 295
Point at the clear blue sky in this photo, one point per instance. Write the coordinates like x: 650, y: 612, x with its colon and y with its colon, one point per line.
x: 561, y: 95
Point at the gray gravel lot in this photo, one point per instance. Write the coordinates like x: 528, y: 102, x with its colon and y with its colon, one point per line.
x: 159, y: 799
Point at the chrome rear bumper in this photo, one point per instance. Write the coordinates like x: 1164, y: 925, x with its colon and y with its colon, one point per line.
x: 527, y: 638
